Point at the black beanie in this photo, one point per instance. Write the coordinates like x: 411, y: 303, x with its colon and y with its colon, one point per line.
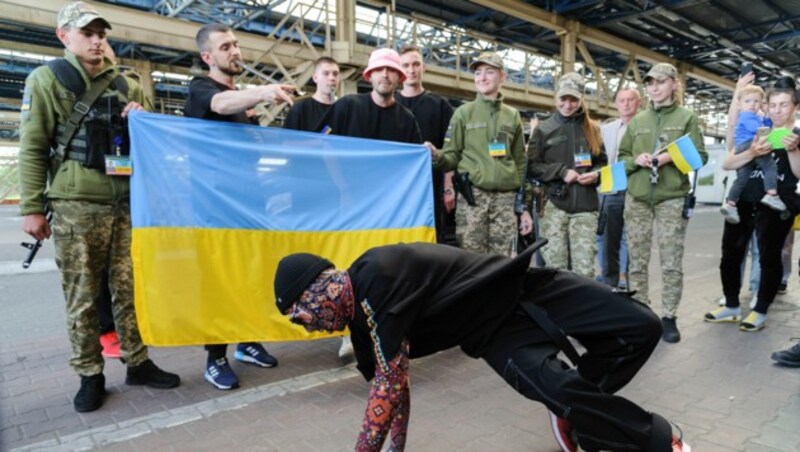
x: 295, y: 273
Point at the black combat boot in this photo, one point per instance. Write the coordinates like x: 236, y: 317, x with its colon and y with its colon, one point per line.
x: 669, y: 330
x: 148, y: 374
x: 90, y: 395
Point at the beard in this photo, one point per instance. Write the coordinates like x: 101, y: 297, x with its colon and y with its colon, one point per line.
x: 385, y: 90
x: 232, y: 69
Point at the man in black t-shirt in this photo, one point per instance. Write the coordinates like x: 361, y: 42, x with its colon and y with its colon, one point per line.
x: 376, y: 114
x: 306, y: 113
x: 407, y: 301
x: 433, y: 115
x: 215, y: 97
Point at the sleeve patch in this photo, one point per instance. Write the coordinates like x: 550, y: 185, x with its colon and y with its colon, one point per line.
x: 26, y: 104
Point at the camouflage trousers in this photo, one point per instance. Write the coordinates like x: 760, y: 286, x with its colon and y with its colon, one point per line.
x: 571, y: 237
x: 89, y: 238
x: 670, y: 227
x: 490, y: 225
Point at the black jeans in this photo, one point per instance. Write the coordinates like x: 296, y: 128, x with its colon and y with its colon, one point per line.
x: 771, y: 231
x: 614, y: 207
x: 619, y: 335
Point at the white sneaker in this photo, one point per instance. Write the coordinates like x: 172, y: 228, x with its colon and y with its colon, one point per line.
x: 731, y: 213
x: 346, y: 349
x: 753, y: 301
x: 721, y: 301
x: 773, y: 202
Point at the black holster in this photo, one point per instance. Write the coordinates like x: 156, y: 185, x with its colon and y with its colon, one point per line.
x: 464, y: 186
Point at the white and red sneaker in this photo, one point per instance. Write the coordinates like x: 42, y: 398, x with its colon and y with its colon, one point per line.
x: 564, y: 434
x: 111, y: 345
x: 679, y: 446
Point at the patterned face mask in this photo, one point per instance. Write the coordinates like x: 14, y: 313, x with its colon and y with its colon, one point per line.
x: 326, y: 305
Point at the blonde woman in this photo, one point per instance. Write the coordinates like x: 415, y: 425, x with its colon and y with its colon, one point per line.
x: 656, y: 190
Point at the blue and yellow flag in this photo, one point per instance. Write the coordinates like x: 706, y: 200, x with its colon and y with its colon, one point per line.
x: 215, y: 206
x: 685, y: 155
x: 613, y: 178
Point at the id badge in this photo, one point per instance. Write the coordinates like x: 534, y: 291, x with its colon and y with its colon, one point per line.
x: 583, y: 160
x: 119, y: 165
x: 497, y: 149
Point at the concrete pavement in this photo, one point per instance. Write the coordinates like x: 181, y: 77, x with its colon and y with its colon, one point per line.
x: 718, y: 384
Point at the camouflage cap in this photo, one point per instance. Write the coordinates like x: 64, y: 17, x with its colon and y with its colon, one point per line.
x: 570, y: 84
x: 662, y: 71
x: 490, y: 58
x: 79, y: 14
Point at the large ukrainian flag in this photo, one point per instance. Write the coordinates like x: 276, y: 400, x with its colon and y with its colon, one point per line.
x: 215, y: 206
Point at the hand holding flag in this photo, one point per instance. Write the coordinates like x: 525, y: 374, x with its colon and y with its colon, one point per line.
x: 684, y: 154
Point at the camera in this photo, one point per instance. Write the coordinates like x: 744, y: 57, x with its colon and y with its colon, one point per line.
x: 519, y: 205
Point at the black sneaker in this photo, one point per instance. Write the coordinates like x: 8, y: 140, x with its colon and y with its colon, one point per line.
x: 90, y: 395
x: 669, y: 330
x: 148, y: 374
x: 789, y: 357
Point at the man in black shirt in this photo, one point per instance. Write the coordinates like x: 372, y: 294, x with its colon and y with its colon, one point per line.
x: 306, y: 113
x: 215, y: 97
x: 406, y: 301
x: 433, y: 115
x: 376, y: 114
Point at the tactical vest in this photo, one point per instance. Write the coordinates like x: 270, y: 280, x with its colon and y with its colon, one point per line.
x: 102, y: 130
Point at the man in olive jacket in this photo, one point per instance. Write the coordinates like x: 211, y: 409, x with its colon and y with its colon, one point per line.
x: 485, y: 141
x: 91, y: 212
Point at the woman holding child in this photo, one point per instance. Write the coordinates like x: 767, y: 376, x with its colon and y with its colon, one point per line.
x: 771, y: 225
x: 565, y: 153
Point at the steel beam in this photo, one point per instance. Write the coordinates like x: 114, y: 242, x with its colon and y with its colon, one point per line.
x: 148, y: 28
x: 559, y: 24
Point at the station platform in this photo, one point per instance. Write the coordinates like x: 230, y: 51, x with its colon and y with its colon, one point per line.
x: 718, y: 384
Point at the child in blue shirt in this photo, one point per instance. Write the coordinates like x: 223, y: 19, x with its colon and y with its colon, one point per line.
x: 747, y: 125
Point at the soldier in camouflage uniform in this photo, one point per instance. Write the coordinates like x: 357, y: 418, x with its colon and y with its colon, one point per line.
x: 485, y: 141
x: 91, y: 212
x: 656, y: 190
x: 565, y: 153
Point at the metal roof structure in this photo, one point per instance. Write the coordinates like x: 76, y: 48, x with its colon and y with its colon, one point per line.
x: 713, y: 38
x: 716, y: 35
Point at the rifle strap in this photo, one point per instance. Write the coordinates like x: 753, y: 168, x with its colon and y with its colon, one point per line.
x: 82, y: 105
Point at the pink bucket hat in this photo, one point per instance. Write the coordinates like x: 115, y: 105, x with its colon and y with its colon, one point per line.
x: 384, y: 58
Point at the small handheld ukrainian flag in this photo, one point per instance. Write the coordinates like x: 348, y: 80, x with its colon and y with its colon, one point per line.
x: 613, y: 178
x: 685, y: 155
